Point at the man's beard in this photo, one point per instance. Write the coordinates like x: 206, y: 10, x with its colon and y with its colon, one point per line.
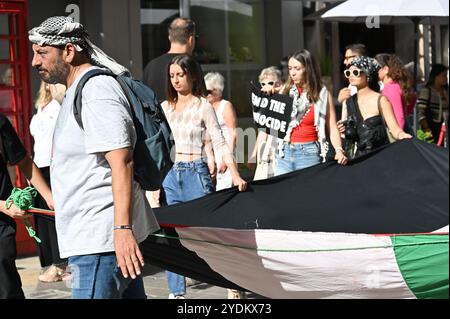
x: 57, y: 75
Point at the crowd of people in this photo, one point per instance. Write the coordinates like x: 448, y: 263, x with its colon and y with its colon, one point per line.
x: 102, y: 213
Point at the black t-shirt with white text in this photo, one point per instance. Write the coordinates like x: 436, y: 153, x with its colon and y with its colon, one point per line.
x: 12, y: 151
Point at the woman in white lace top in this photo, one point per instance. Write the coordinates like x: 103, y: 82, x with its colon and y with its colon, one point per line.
x: 192, y: 120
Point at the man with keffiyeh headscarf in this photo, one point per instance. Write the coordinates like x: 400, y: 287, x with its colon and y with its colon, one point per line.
x: 59, y: 31
x: 101, y: 213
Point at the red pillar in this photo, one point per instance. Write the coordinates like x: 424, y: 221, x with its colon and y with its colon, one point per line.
x: 15, y: 93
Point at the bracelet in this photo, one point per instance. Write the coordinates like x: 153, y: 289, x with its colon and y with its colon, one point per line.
x: 123, y: 227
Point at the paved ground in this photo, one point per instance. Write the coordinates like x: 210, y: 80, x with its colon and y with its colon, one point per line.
x: 154, y: 283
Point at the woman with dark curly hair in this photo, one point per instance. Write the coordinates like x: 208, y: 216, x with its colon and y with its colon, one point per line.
x: 395, y: 84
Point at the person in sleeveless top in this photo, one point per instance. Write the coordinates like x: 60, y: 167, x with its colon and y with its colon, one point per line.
x: 192, y: 120
x: 368, y: 110
x: 226, y: 115
x: 227, y: 119
x: 263, y: 154
x: 305, y: 143
x: 395, y: 86
x: 42, y: 126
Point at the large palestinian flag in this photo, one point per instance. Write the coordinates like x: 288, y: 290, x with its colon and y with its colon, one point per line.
x: 377, y: 228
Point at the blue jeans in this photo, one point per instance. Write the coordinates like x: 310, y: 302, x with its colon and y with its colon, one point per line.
x: 185, y: 181
x: 99, y: 277
x: 298, y: 156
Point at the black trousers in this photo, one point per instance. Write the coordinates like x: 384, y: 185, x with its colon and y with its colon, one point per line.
x: 48, y: 248
x: 46, y: 231
x: 10, y: 284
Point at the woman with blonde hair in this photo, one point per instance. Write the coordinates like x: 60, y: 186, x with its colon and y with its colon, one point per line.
x: 265, y: 147
x: 48, y: 104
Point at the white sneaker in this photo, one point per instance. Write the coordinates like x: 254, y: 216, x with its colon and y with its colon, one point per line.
x: 172, y: 296
x: 191, y: 282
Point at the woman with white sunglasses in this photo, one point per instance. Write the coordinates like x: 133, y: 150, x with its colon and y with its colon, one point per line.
x: 369, y: 113
x: 263, y: 154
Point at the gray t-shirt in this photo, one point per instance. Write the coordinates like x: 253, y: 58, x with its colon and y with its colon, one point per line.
x: 81, y: 176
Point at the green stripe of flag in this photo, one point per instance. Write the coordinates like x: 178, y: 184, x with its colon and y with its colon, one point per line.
x: 424, y: 267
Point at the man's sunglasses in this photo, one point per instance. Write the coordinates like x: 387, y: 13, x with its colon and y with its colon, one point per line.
x: 271, y: 83
x: 355, y: 72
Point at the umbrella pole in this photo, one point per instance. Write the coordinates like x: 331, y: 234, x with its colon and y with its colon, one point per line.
x: 416, y: 43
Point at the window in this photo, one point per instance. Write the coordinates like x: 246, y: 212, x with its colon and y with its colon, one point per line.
x: 230, y: 40
x: 156, y: 16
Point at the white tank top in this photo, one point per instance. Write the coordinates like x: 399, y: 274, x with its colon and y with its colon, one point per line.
x: 42, y: 126
x: 219, y: 114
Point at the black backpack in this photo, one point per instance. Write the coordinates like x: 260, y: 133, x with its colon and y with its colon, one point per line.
x: 151, y: 156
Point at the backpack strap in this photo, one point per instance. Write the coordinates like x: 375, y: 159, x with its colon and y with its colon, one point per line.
x: 155, y: 113
x: 77, y: 105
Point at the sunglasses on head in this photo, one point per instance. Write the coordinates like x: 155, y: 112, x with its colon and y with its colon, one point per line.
x: 268, y: 83
x: 355, y: 72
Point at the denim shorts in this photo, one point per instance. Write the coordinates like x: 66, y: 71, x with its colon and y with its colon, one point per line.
x: 298, y: 156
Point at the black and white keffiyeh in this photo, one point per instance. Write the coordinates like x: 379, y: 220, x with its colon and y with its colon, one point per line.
x: 369, y: 66
x: 57, y: 31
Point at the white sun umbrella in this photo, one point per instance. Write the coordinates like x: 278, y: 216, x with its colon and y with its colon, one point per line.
x: 392, y: 11
x: 425, y: 11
